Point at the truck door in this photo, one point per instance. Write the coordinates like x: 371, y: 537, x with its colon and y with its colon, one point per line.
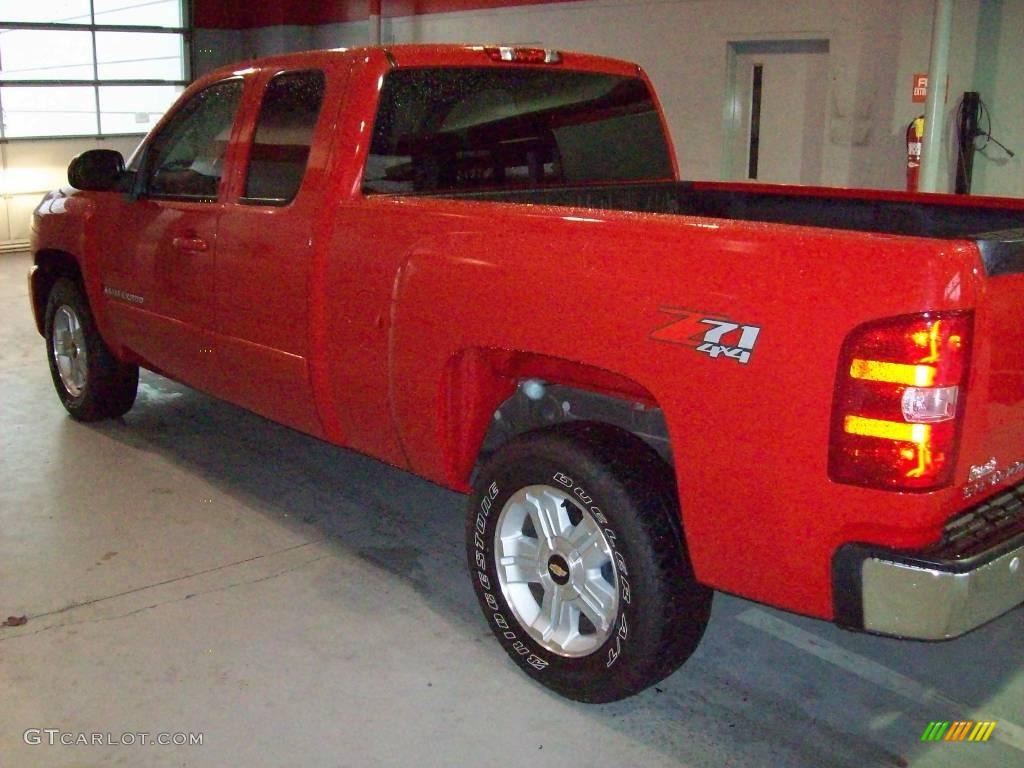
x: 266, y: 243
x: 162, y: 245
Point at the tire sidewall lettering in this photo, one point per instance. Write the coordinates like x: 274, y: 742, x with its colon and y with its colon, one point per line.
x: 616, y: 643
x: 484, y: 578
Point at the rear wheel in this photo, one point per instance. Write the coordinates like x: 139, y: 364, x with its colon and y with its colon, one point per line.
x: 579, y: 563
x: 91, y: 383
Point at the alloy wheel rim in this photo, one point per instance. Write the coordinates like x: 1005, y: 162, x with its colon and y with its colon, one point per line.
x: 69, y: 351
x: 556, y: 570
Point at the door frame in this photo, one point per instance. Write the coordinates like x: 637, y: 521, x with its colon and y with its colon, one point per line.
x: 810, y: 42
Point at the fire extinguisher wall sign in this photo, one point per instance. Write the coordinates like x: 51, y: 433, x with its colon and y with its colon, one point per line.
x: 915, y: 135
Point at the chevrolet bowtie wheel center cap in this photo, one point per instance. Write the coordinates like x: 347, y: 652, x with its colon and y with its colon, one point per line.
x: 559, y: 570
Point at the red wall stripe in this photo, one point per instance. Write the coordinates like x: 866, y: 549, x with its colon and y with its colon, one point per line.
x: 243, y: 14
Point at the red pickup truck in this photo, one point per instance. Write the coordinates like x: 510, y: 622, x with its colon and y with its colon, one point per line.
x: 479, y: 264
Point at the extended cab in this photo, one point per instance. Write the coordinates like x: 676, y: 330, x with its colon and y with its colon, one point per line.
x: 479, y: 264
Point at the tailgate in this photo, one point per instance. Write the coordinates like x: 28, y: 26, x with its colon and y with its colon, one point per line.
x: 993, y: 452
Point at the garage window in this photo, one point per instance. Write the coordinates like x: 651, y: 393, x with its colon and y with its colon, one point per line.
x: 89, y: 67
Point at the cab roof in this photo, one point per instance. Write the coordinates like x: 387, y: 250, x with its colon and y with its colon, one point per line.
x: 426, y: 55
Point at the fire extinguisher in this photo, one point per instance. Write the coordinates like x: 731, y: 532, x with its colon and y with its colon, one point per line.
x: 915, y: 135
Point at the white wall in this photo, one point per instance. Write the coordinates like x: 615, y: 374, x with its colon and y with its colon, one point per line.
x: 915, y: 48
x: 875, y: 47
x: 683, y: 46
x: 999, y: 79
x: 985, y: 58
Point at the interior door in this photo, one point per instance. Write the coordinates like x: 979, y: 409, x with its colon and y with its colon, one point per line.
x: 265, y: 250
x: 161, y: 250
x: 779, y: 94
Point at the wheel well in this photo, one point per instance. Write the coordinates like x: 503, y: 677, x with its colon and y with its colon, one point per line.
x: 494, y: 395
x: 50, y: 266
x: 537, y: 403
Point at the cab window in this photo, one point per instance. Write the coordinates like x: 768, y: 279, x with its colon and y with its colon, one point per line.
x: 186, y: 160
x: 284, y: 134
x: 496, y: 128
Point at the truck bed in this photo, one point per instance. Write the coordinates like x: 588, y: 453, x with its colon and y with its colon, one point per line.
x: 998, y: 230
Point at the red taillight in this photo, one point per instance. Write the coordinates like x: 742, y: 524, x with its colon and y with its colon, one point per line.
x: 899, y: 400
x: 523, y: 55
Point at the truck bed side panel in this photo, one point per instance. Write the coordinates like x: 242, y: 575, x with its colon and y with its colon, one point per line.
x: 749, y: 440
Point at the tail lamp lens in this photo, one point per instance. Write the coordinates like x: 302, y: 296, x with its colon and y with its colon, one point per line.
x: 899, y: 401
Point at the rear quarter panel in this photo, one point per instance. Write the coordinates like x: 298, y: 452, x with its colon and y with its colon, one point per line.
x: 750, y: 441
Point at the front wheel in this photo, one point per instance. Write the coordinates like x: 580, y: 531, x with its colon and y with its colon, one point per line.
x: 91, y: 383
x: 579, y: 563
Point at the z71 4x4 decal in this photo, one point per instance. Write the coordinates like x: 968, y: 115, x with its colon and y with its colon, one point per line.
x: 715, y: 336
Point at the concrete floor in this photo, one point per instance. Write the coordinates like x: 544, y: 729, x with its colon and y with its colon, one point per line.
x: 196, y: 569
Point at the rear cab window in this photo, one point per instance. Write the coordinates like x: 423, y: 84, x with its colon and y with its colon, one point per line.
x: 284, y: 134
x: 464, y: 128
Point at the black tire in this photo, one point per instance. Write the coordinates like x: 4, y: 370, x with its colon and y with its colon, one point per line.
x: 105, y: 386
x: 628, y: 493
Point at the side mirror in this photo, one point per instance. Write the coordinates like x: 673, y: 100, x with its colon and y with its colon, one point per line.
x: 98, y: 170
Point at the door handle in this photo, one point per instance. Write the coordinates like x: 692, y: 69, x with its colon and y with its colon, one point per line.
x: 190, y: 244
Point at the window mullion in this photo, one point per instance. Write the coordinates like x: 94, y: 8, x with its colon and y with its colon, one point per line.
x: 3, y: 119
x: 95, y: 68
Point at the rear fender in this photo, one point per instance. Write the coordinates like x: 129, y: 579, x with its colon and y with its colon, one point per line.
x: 491, y: 395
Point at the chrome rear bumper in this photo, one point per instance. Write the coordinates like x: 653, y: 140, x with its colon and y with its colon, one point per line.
x: 942, y: 592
